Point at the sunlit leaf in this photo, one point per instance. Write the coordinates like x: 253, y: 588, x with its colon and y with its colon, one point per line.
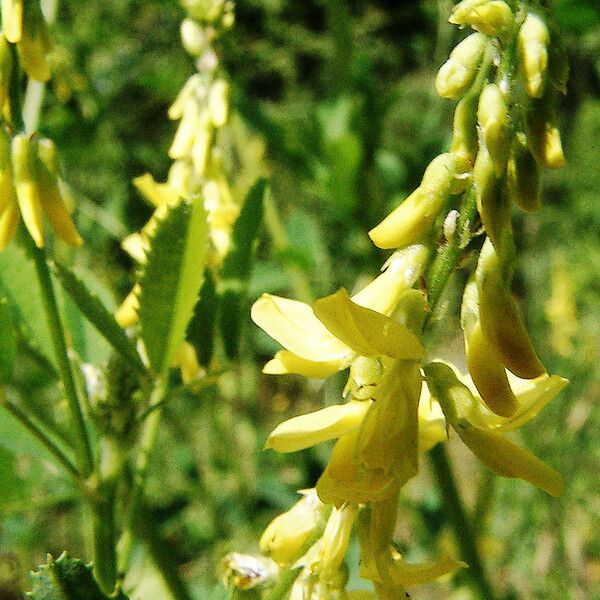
x: 171, y: 280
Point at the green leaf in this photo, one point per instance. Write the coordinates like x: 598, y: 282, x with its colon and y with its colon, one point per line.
x: 238, y: 265
x: 201, y: 329
x: 19, y: 282
x: 93, y: 309
x: 67, y: 578
x: 8, y: 342
x: 171, y: 280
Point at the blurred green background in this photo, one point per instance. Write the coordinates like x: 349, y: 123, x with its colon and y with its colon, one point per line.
x: 334, y: 101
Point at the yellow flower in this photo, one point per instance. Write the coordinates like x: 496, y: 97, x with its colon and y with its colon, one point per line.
x: 480, y: 429
x: 326, y: 338
x: 287, y: 535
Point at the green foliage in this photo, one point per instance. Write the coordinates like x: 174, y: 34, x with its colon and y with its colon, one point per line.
x: 171, y: 280
x: 20, y: 286
x: 201, y: 329
x: 8, y: 342
x: 237, y: 265
x: 67, y: 578
x: 93, y: 309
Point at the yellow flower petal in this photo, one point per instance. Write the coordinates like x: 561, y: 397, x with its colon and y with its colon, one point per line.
x: 532, y: 395
x: 285, y: 362
x: 367, y: 332
x: 156, y: 193
x: 407, y: 575
x: 400, y: 272
x: 432, y: 424
x: 344, y: 479
x: 294, y: 325
x: 509, y: 460
x: 326, y: 424
x: 136, y: 246
x: 127, y: 313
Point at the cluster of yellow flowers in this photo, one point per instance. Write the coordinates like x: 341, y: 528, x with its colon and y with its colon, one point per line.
x: 30, y: 183
x: 506, y: 76
x: 202, y: 108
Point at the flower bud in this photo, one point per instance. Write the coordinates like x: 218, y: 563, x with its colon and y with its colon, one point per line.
x: 465, y: 139
x: 458, y: 73
x: 9, y: 209
x: 189, y: 90
x: 187, y: 131
x: 193, y: 37
x: 6, y: 64
x: 413, y: 218
x: 492, y: 115
x: 51, y: 196
x: 288, y: 534
x: 203, y: 10
x: 336, y: 538
x: 492, y: 199
x: 218, y: 102
x: 127, y: 313
x: 501, y: 320
x: 533, y: 41
x: 24, y: 163
x: 12, y: 19
x: 491, y: 17
x: 543, y: 135
x: 35, y: 44
x: 200, y: 151
x: 523, y: 176
x: 487, y: 372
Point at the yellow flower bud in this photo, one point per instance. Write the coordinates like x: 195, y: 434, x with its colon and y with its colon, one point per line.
x: 458, y: 73
x: 24, y: 165
x: 543, y: 135
x: 218, y: 102
x: 492, y: 17
x: 533, y: 42
x: 187, y: 131
x: 200, y: 151
x: 287, y: 535
x: 485, y: 367
x: 492, y: 115
x: 465, y: 140
x: 336, y: 538
x: 509, y: 460
x: 204, y: 10
x: 51, y: 196
x: 6, y: 64
x: 413, y: 218
x: 12, y: 19
x: 35, y: 45
x: 193, y: 37
x: 523, y: 176
x: 127, y: 313
x: 10, y: 217
x: 492, y: 200
x: 501, y: 321
x: 187, y: 91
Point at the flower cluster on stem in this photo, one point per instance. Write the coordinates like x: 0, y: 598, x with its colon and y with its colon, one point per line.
x: 399, y: 401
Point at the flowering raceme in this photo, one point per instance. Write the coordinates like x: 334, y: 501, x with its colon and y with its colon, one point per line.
x: 398, y: 401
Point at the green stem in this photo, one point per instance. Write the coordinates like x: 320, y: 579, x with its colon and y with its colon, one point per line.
x: 41, y: 435
x: 162, y: 557
x: 82, y: 441
x: 460, y: 522
x: 286, y: 580
x: 142, y: 464
x: 105, y: 536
